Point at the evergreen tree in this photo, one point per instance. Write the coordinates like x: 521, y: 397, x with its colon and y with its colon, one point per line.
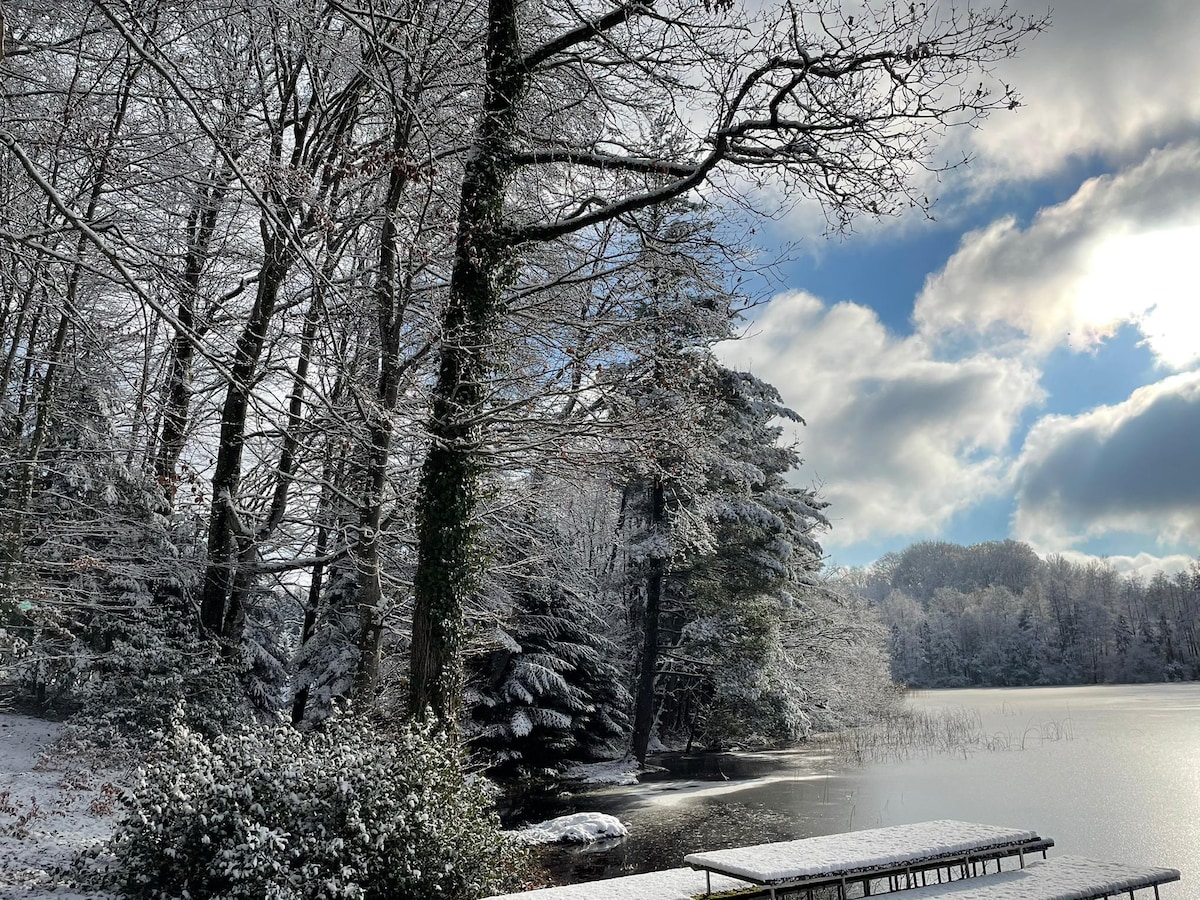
x: 1070, y: 623
x: 550, y: 692
x: 738, y: 591
x: 101, y: 620
x: 323, y: 667
x: 550, y: 688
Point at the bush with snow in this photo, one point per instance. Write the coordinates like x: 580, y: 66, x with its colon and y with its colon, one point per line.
x: 355, y: 811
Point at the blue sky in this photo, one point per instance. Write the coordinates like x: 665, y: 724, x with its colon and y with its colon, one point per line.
x: 1026, y: 365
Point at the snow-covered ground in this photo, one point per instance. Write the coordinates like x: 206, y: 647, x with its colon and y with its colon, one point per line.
x: 51, y: 807
x: 672, y: 884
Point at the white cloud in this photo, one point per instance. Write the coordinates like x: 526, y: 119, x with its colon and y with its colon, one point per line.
x: 1109, y: 79
x: 906, y: 431
x: 900, y: 440
x: 1122, y: 249
x: 1143, y: 565
x: 1125, y: 468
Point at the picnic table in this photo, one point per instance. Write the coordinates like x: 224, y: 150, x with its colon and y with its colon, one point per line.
x: 863, y: 857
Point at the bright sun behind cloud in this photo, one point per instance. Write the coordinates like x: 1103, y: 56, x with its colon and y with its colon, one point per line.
x: 1151, y: 279
x: 1122, y: 250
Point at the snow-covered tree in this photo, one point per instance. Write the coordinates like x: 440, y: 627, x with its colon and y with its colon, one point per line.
x: 99, y: 618
x: 841, y: 108
x: 346, y: 279
x: 737, y: 596
x: 551, y: 689
x: 1002, y: 616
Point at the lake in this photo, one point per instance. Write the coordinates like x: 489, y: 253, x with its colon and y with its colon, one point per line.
x: 1111, y: 772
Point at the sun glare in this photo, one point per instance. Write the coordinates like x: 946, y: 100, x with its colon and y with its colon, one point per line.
x: 1152, y: 280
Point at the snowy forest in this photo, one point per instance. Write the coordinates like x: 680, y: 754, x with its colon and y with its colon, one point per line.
x: 363, y: 354
x: 996, y: 614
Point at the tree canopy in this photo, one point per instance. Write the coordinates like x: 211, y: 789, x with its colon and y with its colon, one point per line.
x: 330, y: 330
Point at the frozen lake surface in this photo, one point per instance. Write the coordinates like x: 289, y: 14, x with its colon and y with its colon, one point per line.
x: 1111, y: 772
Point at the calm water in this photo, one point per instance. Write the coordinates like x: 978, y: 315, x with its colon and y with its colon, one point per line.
x: 1110, y: 772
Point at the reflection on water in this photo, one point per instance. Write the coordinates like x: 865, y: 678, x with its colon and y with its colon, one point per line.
x: 1125, y: 785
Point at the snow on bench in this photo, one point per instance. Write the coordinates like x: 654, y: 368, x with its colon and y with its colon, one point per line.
x: 672, y: 884
x: 1060, y: 878
x: 858, y: 853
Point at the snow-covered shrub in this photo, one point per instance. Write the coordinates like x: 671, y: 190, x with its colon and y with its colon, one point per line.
x: 354, y: 810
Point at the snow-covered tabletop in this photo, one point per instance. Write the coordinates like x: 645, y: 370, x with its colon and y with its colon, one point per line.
x: 1060, y: 878
x: 835, y: 855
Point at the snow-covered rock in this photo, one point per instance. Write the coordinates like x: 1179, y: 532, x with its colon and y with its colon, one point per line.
x: 580, y: 828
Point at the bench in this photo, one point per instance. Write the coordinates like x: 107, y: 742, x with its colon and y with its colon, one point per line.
x: 1060, y: 878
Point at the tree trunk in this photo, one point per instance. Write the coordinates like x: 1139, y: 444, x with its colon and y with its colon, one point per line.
x: 285, y: 472
x: 201, y: 225
x: 643, y: 716
x: 316, y: 580
x: 332, y: 475
x: 390, y: 297
x: 26, y: 310
x: 223, y: 528
x: 450, y: 475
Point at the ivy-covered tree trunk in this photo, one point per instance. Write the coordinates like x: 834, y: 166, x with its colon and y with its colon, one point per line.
x: 643, y: 716
x: 450, y: 475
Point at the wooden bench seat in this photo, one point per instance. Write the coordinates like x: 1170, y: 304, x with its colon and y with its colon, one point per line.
x: 1058, y: 878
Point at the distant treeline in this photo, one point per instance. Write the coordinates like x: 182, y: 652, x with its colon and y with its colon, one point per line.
x: 997, y: 614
